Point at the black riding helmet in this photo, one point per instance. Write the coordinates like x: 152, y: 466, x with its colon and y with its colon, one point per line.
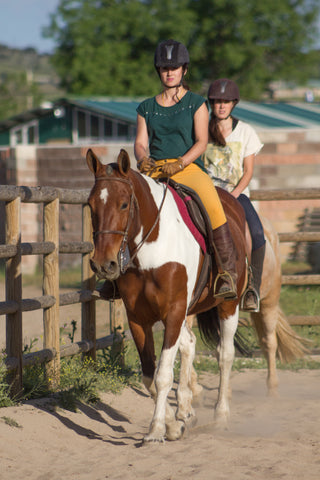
x: 224, y: 89
x: 171, y: 53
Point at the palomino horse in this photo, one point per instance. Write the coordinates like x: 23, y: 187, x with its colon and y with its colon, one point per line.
x: 142, y: 243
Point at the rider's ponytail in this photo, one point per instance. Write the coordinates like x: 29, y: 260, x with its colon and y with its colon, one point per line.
x: 215, y: 135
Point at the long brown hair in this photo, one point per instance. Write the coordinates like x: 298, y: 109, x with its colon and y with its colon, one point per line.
x: 215, y: 135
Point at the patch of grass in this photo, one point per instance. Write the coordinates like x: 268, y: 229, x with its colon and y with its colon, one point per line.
x: 210, y: 364
x: 11, y: 422
x: 300, y: 364
x: 81, y: 380
x: 5, y: 399
x: 300, y: 300
x: 294, y: 268
x: 69, y: 278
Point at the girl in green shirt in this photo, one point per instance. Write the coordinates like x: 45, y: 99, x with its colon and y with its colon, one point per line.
x: 172, y: 132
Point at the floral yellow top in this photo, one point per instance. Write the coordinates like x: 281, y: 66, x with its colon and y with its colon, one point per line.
x: 225, y: 164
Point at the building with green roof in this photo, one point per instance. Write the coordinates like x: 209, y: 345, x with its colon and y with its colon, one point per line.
x: 79, y: 121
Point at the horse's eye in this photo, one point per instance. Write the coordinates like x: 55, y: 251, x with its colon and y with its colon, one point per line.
x: 124, y: 206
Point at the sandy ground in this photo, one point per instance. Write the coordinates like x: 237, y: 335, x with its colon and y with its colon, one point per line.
x: 267, y: 438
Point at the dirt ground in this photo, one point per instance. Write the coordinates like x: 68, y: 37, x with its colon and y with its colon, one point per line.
x: 267, y: 438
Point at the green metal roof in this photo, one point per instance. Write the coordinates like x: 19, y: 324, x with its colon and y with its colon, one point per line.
x: 279, y: 115
x: 122, y: 109
x: 261, y: 115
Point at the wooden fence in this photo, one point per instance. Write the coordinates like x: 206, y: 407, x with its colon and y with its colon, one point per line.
x: 295, y: 194
x: 51, y: 300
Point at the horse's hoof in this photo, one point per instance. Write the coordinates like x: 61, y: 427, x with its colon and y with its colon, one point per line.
x: 186, y: 416
x: 153, y: 439
x: 273, y: 393
x: 175, y: 431
x: 221, y: 420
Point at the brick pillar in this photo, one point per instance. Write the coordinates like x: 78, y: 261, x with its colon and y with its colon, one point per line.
x: 27, y: 175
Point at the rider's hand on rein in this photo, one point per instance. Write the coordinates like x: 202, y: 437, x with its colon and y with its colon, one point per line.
x: 146, y: 164
x: 170, y: 169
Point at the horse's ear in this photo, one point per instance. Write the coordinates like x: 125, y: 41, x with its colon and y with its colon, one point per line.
x: 93, y: 162
x: 124, y: 162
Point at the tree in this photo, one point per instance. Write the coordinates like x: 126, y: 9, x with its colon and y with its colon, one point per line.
x: 106, y: 47
x: 255, y: 42
x: 18, y: 93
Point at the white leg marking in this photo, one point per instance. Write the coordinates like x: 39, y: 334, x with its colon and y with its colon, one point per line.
x: 164, y: 423
x: 226, y: 349
x: 184, y: 392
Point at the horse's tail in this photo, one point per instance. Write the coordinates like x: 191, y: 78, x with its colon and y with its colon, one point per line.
x: 209, y: 328
x: 291, y: 346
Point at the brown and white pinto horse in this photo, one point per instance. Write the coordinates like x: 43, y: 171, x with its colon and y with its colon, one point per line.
x: 133, y: 215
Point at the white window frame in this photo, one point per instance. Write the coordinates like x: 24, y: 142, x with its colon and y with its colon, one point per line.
x: 88, y: 138
x: 24, y: 129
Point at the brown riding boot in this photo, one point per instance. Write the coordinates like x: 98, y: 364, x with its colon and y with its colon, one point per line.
x: 251, y: 297
x: 225, y: 285
x: 108, y: 291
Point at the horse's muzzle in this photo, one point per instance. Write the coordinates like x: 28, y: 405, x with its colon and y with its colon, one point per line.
x: 108, y: 270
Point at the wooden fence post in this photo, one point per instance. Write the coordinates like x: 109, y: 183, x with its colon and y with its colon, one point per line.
x: 117, y: 316
x: 88, y: 309
x: 14, y: 293
x: 51, y: 287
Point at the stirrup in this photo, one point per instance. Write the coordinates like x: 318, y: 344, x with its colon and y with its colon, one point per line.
x: 250, y: 289
x: 228, y: 294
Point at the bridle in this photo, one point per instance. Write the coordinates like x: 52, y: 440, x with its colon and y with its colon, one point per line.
x: 124, y: 255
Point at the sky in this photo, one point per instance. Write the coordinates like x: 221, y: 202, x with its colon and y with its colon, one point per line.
x: 21, y: 23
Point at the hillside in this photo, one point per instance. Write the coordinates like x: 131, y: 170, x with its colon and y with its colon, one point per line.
x: 25, y: 74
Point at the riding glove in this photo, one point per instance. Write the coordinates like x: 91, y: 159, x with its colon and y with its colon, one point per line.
x: 170, y: 169
x: 146, y: 164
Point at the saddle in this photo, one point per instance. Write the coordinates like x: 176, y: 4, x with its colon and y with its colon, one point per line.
x: 201, y: 221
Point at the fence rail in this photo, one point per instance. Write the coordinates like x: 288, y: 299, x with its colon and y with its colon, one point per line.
x: 51, y: 300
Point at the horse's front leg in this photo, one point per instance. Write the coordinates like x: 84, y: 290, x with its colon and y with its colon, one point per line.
x: 185, y: 392
x: 225, y: 352
x: 164, y: 423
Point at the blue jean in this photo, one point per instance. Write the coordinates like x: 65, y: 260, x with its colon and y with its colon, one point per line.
x: 254, y: 223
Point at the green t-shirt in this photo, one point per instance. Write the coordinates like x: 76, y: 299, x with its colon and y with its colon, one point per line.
x: 171, y: 129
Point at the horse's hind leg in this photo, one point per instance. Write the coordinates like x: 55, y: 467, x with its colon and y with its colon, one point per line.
x: 265, y: 323
x: 225, y: 353
x: 195, y: 386
x: 184, y: 392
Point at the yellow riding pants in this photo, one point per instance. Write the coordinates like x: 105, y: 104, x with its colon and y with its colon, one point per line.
x: 192, y: 176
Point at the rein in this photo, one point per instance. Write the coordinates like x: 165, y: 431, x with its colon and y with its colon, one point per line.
x: 124, y: 255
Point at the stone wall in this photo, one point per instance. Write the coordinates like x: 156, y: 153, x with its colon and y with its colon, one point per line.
x: 289, y: 159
